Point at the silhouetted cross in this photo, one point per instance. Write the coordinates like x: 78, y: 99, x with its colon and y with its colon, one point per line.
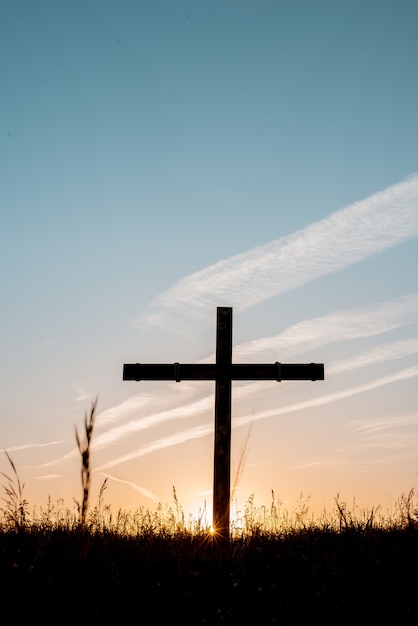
x: 223, y: 372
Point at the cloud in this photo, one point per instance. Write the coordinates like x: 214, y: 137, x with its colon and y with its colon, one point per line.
x: 134, y: 403
x: 206, y: 429
x: 161, y: 444
x: 389, y: 423
x: 396, y: 436
x: 181, y: 412
x: 144, y: 492
x: 335, y: 326
x: 347, y: 236
x: 49, y: 476
x: 405, y: 374
x: 62, y: 459
x: 384, y: 352
x: 27, y: 446
x: 81, y: 394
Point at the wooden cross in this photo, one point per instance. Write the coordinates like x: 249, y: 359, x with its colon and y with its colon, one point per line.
x: 223, y: 372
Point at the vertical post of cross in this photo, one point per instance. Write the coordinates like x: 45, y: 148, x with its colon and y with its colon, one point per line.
x: 222, y: 447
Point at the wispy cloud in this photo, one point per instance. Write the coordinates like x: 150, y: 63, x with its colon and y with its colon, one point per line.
x: 134, y: 403
x: 389, y: 351
x: 405, y: 374
x: 61, y: 460
x: 336, y: 326
x: 396, y: 436
x: 49, y: 476
x: 81, y: 394
x: 380, y: 354
x: 161, y: 444
x: 206, y: 429
x: 347, y: 236
x: 310, y: 334
x: 28, y: 446
x: 144, y: 492
x: 384, y: 353
x: 181, y: 412
x: 389, y: 423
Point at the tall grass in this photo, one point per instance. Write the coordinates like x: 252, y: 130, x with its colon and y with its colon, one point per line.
x: 84, y: 448
x: 170, y: 520
x: 163, y: 566
x: 15, y: 512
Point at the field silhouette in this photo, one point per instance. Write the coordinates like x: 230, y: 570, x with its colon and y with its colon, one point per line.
x: 89, y: 565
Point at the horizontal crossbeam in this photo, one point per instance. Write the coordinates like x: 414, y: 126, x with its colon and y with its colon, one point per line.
x: 236, y: 371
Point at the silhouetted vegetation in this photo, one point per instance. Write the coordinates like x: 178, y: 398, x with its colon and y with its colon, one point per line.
x: 102, y: 576
x: 87, y: 565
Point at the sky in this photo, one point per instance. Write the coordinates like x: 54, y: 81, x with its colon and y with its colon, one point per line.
x: 160, y: 159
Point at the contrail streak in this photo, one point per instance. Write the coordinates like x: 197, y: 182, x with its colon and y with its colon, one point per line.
x: 206, y: 429
x: 160, y: 444
x: 410, y: 372
x: 335, y: 326
x: 181, y: 412
x: 380, y: 354
x: 135, y: 486
x: 341, y: 325
x: 307, y: 335
x: 347, y: 236
x: 27, y: 446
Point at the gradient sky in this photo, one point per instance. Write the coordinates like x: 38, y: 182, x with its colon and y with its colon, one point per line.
x: 160, y: 159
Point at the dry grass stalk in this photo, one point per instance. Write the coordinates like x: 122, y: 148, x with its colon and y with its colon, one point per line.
x: 241, y: 461
x: 84, y: 448
x: 16, y: 505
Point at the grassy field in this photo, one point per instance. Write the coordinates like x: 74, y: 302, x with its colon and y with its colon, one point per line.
x: 88, y: 565
x: 162, y: 575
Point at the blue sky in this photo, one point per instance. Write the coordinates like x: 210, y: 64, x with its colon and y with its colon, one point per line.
x: 160, y: 159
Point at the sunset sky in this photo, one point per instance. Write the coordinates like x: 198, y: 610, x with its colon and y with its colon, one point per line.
x: 162, y: 158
